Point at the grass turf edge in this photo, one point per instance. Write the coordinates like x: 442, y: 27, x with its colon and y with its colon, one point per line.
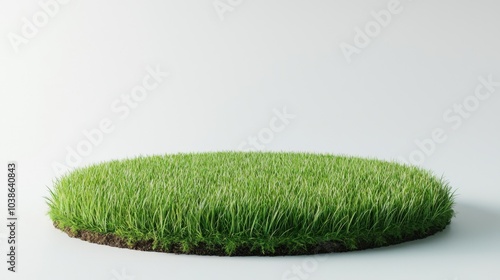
x: 114, y: 240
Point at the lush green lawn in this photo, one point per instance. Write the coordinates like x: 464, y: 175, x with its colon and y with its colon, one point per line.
x: 259, y: 201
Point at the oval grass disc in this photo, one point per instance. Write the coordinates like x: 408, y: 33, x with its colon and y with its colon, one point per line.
x: 256, y: 203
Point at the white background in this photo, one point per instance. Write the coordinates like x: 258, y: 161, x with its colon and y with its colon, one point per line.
x: 227, y: 78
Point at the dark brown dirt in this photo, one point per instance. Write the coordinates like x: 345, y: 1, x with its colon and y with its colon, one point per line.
x: 201, y: 249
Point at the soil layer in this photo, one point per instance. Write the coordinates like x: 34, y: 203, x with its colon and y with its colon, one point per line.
x: 202, y: 249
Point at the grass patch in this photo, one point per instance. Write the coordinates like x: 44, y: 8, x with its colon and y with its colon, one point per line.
x: 258, y: 203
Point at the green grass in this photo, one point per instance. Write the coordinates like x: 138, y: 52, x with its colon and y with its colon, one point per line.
x: 260, y: 200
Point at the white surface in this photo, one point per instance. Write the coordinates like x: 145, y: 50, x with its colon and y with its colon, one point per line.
x: 226, y: 79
